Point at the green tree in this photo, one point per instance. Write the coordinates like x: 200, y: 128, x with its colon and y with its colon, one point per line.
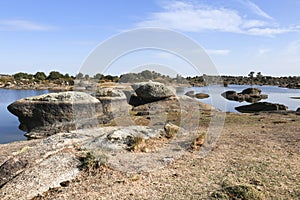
x: 54, y: 75
x: 147, y: 74
x: 40, y: 76
x: 79, y: 75
x: 67, y: 76
x: 98, y: 76
x: 251, y: 76
x: 259, y: 75
x: 21, y: 75
x: 86, y: 77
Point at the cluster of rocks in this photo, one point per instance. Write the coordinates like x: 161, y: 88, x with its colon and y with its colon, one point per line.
x: 251, y: 95
x: 197, y: 95
x: 36, y: 166
x: 67, y: 117
x: 64, y: 86
x: 287, y: 82
x: 52, y: 113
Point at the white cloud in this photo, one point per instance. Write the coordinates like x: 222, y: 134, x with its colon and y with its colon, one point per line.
x: 23, y: 25
x: 269, y: 31
x: 253, y: 23
x: 255, y: 9
x: 188, y: 17
x: 222, y: 52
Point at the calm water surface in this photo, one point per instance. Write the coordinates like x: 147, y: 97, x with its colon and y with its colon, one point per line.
x: 276, y: 95
x: 9, y: 123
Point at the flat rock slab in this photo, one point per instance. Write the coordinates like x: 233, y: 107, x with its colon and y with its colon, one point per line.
x: 38, y: 179
x: 33, y: 169
x: 260, y: 107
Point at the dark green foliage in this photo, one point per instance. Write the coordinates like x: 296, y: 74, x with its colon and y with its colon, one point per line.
x: 88, y: 162
x: 40, y: 76
x: 238, y: 192
x: 79, y: 75
x: 54, y: 75
x: 21, y: 75
x: 98, y: 76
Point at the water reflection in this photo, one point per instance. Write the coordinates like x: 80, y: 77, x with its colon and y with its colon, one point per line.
x: 9, y: 130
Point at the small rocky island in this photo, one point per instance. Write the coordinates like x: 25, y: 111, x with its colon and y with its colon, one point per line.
x: 251, y: 95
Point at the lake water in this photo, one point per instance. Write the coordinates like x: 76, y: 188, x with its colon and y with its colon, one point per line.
x: 9, y: 123
x: 276, y: 95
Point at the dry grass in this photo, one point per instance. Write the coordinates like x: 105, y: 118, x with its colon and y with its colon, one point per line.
x: 253, y: 159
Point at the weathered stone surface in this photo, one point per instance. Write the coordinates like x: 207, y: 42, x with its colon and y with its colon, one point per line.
x: 261, y: 106
x: 198, y: 95
x: 109, y: 92
x: 152, y: 91
x: 38, y: 179
x: 48, y: 162
x: 190, y: 93
x: 48, y: 114
x: 118, y: 139
x: 114, y: 102
x: 251, y: 95
x: 201, y: 95
x: 251, y: 91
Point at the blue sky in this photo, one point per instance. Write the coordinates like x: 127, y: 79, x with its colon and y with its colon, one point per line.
x: 239, y: 35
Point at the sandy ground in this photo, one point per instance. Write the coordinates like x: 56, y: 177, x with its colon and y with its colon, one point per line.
x: 256, y: 157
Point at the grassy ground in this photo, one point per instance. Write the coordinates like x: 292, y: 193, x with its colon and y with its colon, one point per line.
x: 256, y: 157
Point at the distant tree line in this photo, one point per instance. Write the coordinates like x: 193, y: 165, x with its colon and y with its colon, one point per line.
x: 252, y: 78
x: 42, y: 77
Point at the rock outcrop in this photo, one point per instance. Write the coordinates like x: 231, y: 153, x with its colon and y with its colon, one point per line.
x: 251, y: 95
x: 190, y: 93
x: 114, y: 103
x: 48, y: 114
x: 147, y: 92
x: 52, y: 162
x: 261, y: 106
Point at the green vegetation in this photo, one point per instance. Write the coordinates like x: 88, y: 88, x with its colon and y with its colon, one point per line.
x: 40, y: 76
x: 238, y: 192
x: 54, y: 75
x: 135, y: 143
x: 23, y: 76
x: 24, y: 79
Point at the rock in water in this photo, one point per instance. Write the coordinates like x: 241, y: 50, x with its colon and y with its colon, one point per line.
x: 261, y: 106
x: 48, y: 114
x: 190, y: 94
x: 251, y: 95
x: 251, y: 91
x: 201, y: 95
x: 152, y: 91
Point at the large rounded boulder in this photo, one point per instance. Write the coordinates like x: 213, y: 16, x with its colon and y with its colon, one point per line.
x: 48, y: 114
x: 152, y: 91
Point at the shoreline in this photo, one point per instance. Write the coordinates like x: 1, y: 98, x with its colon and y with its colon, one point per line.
x: 71, y: 88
